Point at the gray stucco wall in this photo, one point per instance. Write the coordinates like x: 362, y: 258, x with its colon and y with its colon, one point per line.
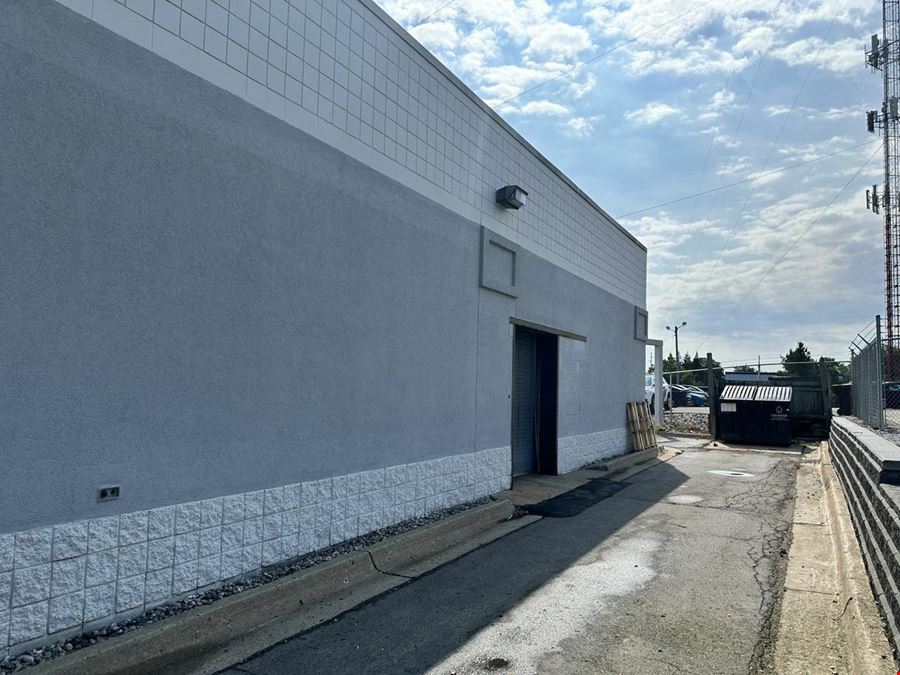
x: 198, y: 299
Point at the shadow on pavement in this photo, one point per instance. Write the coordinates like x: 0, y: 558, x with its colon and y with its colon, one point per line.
x: 417, y: 625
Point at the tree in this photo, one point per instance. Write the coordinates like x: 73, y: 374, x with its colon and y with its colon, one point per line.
x: 838, y: 373
x: 744, y: 369
x: 796, y: 361
x: 690, y: 363
x: 669, y: 364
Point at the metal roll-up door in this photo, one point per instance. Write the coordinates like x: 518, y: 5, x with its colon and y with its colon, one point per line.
x: 523, y: 403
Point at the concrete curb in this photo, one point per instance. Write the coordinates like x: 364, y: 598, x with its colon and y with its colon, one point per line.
x: 404, y: 554
x: 623, y: 462
x: 683, y: 434
x: 868, y: 650
x: 216, y: 636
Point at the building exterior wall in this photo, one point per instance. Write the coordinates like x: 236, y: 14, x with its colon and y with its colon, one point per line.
x: 269, y: 336
x: 345, y: 72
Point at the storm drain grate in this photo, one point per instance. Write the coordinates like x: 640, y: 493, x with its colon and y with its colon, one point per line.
x: 575, y: 501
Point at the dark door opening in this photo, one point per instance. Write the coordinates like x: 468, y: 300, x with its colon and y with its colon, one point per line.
x: 534, y: 401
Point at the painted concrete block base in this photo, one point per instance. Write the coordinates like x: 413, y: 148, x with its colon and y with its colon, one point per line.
x: 58, y: 581
x: 575, y: 452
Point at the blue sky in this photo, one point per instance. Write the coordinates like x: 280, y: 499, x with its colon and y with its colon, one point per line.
x: 723, y: 91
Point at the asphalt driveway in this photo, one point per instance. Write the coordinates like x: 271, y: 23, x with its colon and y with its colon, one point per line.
x: 677, y: 572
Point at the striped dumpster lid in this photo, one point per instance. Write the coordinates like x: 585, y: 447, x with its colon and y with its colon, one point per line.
x: 738, y: 392
x: 774, y: 394
x: 746, y: 392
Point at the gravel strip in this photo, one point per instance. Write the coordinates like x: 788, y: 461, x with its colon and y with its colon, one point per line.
x: 686, y: 423
x: 267, y: 575
x: 891, y: 434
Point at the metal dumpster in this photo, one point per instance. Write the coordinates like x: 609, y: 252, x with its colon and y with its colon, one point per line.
x: 844, y: 395
x: 754, y: 415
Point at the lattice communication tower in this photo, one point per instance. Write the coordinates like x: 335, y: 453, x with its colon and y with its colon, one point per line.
x: 883, y: 56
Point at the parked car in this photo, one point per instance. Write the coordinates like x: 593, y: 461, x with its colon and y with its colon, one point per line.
x: 650, y: 394
x: 698, y: 398
x: 892, y: 394
x: 680, y: 396
x: 690, y: 396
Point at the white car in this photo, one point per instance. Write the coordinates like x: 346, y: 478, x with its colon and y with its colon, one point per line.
x: 650, y: 394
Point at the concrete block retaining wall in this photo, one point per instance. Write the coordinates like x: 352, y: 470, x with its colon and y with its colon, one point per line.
x: 863, y: 463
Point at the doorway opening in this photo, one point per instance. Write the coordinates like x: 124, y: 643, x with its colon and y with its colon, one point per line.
x: 535, y: 389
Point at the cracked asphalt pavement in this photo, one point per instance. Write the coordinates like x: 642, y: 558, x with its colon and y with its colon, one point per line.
x: 676, y: 573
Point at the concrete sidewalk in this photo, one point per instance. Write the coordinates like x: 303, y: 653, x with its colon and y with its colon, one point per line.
x: 827, y: 617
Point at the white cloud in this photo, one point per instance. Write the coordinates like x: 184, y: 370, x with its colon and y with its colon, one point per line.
x: 543, y: 107
x: 726, y: 141
x: 829, y: 114
x: 651, y: 113
x: 720, y: 102
x: 579, y: 89
x: 849, y: 112
x: 808, y: 151
x: 775, y: 110
x: 664, y: 236
x: 500, y: 83
x: 682, y: 45
x: 558, y: 40
x: 437, y: 35
x: 764, y: 177
x: 581, y: 127
x: 755, y: 40
x: 478, y: 48
x: 701, y: 57
x: 841, y: 56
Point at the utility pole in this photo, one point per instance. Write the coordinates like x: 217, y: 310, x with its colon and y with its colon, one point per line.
x: 677, y: 355
x: 884, y: 55
x: 713, y: 396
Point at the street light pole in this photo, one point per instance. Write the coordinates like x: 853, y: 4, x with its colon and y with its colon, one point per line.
x: 677, y: 354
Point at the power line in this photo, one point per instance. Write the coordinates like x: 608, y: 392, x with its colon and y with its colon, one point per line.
x: 747, y: 180
x: 602, y: 55
x: 438, y: 10
x: 734, y: 136
x: 784, y: 123
x: 709, y: 149
x: 789, y: 248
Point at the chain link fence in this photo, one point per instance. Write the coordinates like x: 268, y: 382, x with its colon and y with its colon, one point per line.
x: 875, y: 399
x: 890, y: 385
x: 816, y: 385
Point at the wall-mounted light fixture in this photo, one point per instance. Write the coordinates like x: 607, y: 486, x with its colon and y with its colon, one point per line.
x: 511, y: 197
